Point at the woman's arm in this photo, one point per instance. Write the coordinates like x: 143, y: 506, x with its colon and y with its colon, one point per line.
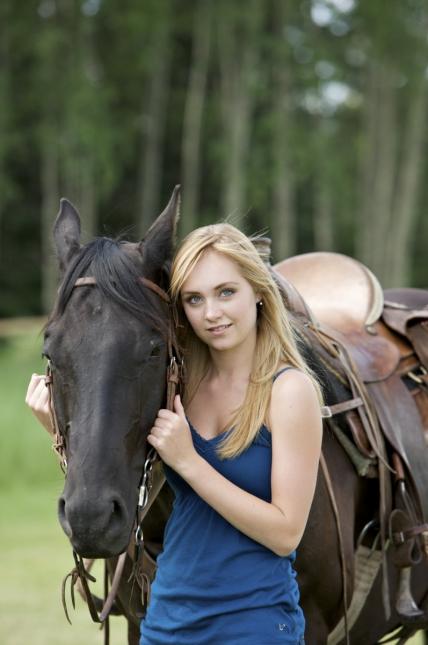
x: 37, y: 399
x: 296, y: 429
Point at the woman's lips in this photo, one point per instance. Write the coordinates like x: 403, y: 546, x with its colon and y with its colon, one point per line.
x: 219, y: 329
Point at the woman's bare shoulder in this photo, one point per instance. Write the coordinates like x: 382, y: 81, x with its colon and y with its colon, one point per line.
x: 294, y: 390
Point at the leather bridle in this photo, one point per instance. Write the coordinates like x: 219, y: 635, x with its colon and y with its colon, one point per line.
x: 174, y: 378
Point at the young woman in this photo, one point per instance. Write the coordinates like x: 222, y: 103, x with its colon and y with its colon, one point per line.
x: 241, y: 455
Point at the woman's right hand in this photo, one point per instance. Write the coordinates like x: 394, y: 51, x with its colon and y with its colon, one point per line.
x: 38, y: 401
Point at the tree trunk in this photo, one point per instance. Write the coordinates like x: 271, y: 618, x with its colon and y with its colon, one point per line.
x: 379, y: 169
x: 49, y: 206
x: 153, y: 117
x: 238, y: 65
x: 408, y: 188
x: 52, y: 86
x: 5, y: 107
x: 88, y: 196
x: 323, y: 219
x: 283, y: 219
x: 78, y: 126
x: 193, y: 113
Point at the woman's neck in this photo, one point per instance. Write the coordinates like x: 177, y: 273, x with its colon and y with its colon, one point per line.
x: 231, y: 364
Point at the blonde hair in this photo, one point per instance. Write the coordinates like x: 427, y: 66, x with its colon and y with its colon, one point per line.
x: 276, y: 341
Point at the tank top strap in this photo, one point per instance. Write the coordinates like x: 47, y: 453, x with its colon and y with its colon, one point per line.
x: 282, y: 370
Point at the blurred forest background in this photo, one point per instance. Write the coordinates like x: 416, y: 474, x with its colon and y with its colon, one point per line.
x: 304, y: 118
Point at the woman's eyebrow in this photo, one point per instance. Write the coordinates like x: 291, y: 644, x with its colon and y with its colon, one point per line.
x: 216, y: 288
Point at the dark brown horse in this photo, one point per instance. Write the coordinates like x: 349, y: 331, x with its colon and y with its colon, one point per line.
x: 107, y: 343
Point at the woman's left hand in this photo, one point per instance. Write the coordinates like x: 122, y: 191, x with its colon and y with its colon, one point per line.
x: 172, y: 439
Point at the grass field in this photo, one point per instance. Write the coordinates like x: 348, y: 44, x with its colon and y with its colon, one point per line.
x: 34, y: 558
x: 34, y: 553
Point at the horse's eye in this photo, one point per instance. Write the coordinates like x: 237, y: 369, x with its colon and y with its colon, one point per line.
x: 155, y: 350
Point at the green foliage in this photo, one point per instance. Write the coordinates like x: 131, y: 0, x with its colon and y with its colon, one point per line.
x: 76, y: 81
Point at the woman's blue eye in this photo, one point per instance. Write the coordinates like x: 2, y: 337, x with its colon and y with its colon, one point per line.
x: 193, y: 300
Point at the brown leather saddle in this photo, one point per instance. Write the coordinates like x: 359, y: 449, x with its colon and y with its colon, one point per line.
x: 346, y: 298
x: 386, y: 336
x: 381, y: 343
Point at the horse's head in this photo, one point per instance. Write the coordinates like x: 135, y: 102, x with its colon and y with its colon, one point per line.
x: 107, y: 343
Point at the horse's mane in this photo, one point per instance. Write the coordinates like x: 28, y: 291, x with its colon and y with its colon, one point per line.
x: 117, y: 278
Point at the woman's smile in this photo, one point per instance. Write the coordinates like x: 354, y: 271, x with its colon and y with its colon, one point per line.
x: 219, y: 329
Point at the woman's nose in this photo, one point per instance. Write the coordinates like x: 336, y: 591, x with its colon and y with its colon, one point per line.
x: 212, y: 310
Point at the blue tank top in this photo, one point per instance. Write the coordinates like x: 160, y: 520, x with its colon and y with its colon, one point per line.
x: 214, y: 585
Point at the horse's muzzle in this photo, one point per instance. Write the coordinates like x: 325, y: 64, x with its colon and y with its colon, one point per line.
x: 96, y: 527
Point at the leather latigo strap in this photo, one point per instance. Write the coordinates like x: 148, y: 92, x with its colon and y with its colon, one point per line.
x: 345, y: 406
x: 335, y: 508
x: 399, y: 537
x: 397, y: 412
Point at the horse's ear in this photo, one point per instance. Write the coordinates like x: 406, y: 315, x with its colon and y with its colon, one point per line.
x: 66, y: 233
x: 158, y: 244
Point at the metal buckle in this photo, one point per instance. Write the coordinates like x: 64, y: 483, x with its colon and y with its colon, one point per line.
x: 417, y: 378
x: 326, y: 412
x: 398, y: 537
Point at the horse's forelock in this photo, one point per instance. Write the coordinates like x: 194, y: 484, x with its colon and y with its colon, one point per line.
x: 117, y: 277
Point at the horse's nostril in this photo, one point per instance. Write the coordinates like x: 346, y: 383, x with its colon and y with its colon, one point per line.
x: 117, y: 510
x: 95, y: 524
x: 62, y: 517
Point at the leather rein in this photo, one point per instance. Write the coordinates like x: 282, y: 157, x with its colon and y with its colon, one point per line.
x: 80, y: 573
